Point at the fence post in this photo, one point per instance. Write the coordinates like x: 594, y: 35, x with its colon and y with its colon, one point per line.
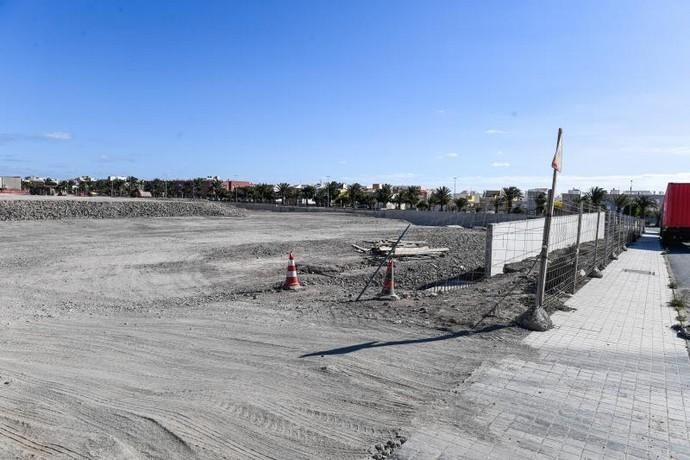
x: 625, y: 232
x: 619, y: 230
x: 544, y: 261
x: 577, y: 246
x: 595, y: 270
x: 607, y: 232
x: 536, y: 318
x: 488, y: 251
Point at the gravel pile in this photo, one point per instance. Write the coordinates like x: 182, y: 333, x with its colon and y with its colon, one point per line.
x: 84, y: 209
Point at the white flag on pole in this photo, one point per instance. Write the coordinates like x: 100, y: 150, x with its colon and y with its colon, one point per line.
x: 557, y: 162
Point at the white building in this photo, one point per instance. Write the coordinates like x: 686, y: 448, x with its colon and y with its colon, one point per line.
x: 531, y: 197
x: 10, y: 183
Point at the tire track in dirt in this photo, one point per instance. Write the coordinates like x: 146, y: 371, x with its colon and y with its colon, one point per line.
x: 163, y: 350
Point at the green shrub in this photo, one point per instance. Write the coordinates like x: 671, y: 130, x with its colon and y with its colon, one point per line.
x: 677, y: 302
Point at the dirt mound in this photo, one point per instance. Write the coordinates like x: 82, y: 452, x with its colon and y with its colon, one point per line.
x: 52, y: 209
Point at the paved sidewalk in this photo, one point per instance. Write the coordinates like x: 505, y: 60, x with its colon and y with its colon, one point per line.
x: 610, y: 381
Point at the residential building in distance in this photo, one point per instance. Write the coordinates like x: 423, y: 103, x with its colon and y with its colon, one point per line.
x: 141, y: 193
x: 473, y: 198
x: 572, y: 196
x: 10, y: 184
x: 486, y: 202
x: 531, y: 196
x: 231, y: 185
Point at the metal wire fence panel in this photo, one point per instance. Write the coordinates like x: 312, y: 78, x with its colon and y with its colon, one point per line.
x: 583, y: 239
x: 570, y: 265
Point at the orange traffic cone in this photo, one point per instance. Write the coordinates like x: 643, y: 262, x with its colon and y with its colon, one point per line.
x: 291, y: 281
x: 388, y: 291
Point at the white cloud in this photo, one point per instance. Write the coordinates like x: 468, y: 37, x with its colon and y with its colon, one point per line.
x: 500, y: 164
x: 57, y: 136
x: 448, y: 156
x: 494, y: 131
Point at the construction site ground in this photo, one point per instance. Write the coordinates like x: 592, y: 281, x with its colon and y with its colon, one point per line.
x: 167, y: 338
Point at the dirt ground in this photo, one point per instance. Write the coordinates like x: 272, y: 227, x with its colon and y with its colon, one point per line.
x: 165, y: 338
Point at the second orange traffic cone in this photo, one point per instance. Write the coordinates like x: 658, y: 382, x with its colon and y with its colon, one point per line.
x: 388, y: 291
x: 291, y: 280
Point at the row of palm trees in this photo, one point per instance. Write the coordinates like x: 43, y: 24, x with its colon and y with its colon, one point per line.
x: 353, y: 195
x: 597, y: 198
x: 335, y: 193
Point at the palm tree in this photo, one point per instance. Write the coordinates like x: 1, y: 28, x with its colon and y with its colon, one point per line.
x: 443, y: 196
x: 370, y: 200
x: 132, y: 184
x: 61, y: 187
x: 644, y: 204
x: 354, y: 193
x: 322, y: 196
x: 333, y: 189
x: 246, y: 193
x: 511, y: 194
x: 399, y: 199
x: 197, y: 187
x: 461, y: 203
x: 540, y: 203
x: 83, y: 187
x: 263, y: 192
x: 621, y: 201
x: 217, y: 189
x: 422, y: 205
x: 384, y: 194
x: 412, y: 195
x: 283, y: 191
x: 497, y: 201
x: 596, y: 196
x: 308, y: 192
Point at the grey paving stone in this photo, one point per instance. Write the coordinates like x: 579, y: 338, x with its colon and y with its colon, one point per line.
x: 611, y: 380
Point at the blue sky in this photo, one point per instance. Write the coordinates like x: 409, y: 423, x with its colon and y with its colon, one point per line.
x: 369, y: 91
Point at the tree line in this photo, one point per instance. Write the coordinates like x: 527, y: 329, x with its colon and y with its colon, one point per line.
x: 334, y: 193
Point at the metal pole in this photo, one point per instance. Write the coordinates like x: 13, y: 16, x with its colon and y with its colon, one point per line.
x: 577, y: 246
x: 596, y: 239
x: 607, y: 232
x: 620, y: 230
x: 544, y: 263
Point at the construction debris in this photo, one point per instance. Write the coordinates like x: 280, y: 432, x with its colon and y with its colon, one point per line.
x: 404, y: 249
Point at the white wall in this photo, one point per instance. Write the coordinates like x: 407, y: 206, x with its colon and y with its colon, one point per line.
x: 509, y: 242
x: 10, y: 182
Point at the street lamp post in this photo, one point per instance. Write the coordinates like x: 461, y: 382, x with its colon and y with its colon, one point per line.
x: 328, y: 191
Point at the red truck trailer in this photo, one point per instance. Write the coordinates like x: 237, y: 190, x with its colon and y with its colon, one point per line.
x: 675, y: 214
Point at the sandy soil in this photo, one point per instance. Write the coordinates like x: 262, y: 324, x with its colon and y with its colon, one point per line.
x: 164, y: 338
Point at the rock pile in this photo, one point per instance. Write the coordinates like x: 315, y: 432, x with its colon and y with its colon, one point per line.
x: 41, y: 209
